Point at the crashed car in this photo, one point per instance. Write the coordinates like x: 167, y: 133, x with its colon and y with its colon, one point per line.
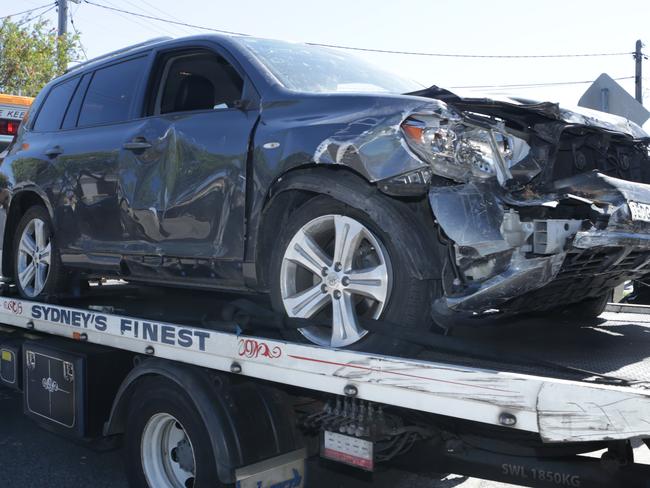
x: 343, y: 191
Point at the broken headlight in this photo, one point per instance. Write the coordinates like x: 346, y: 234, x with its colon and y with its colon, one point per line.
x: 459, y: 149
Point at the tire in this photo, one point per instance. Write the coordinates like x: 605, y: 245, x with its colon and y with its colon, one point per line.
x: 408, y: 298
x: 154, y: 401
x: 35, y: 228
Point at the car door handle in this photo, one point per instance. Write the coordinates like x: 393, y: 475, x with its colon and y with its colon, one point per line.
x: 54, y: 152
x: 137, y: 144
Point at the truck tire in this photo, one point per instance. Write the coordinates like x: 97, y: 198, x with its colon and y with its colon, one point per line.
x: 166, y: 442
x: 305, y: 261
x: 37, y: 269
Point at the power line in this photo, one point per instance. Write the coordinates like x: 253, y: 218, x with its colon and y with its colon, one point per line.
x: 136, y: 21
x: 148, y: 22
x: 74, y: 27
x: 36, y: 16
x: 526, y: 85
x: 27, y: 11
x: 473, y: 56
x: 163, y: 12
x: 384, y: 51
x: 151, y: 17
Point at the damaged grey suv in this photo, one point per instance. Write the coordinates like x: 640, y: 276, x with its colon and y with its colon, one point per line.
x: 343, y: 191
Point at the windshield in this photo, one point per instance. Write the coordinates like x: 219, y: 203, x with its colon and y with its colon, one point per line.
x: 314, y: 69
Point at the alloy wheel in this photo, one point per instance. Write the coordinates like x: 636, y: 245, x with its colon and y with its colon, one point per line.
x: 34, y: 257
x: 337, y: 271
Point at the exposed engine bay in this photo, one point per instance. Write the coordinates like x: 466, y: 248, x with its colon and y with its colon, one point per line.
x: 559, y: 216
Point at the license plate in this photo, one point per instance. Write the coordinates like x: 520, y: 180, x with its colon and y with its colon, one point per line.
x: 640, y: 211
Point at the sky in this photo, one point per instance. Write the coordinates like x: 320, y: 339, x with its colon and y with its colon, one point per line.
x: 477, y: 27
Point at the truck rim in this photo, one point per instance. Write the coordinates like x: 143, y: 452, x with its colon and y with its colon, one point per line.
x: 337, y: 271
x: 34, y: 255
x: 167, y: 454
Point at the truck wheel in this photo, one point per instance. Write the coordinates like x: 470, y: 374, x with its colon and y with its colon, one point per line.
x: 166, y: 442
x: 334, y: 264
x: 37, y: 268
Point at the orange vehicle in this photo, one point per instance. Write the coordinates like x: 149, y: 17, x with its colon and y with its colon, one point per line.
x: 12, y: 111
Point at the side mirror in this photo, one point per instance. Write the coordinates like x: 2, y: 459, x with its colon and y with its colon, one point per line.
x: 242, y: 104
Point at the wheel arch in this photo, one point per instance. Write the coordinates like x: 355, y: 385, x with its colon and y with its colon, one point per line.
x: 342, y: 183
x: 218, y: 401
x: 21, y: 201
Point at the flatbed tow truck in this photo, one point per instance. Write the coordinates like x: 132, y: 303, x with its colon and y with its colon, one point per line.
x: 521, y: 402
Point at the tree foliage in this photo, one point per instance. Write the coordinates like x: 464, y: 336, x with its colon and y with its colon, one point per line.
x: 31, y: 54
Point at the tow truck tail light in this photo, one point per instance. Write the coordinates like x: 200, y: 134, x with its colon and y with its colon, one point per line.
x: 9, y: 127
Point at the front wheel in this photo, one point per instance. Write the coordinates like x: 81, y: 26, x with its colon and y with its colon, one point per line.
x: 335, y: 265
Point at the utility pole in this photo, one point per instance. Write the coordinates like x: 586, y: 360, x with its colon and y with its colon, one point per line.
x: 63, y: 17
x: 638, y: 59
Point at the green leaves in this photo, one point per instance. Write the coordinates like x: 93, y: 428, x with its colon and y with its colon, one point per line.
x: 31, y: 54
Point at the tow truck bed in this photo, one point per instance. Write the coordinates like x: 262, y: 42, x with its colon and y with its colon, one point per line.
x: 598, y: 391
x: 616, y: 345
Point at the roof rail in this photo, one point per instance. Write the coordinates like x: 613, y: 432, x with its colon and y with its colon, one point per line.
x: 149, y: 42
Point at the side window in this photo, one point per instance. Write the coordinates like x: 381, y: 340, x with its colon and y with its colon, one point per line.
x: 197, y: 81
x: 71, y: 115
x: 111, y: 92
x: 54, y: 107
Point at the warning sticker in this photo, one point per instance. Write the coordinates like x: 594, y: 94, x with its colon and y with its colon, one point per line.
x: 348, y: 450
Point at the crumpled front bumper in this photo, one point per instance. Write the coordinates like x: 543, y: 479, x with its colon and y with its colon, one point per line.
x: 493, y: 240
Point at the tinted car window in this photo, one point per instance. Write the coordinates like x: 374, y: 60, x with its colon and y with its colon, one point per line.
x: 111, y: 91
x: 199, y: 81
x: 72, y: 113
x: 51, y: 114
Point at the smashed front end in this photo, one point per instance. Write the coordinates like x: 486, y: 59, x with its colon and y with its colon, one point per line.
x: 540, y: 206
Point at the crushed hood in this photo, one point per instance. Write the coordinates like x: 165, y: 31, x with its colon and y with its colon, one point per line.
x: 509, y: 107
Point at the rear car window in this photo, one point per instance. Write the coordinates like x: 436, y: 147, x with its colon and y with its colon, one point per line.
x: 71, y: 115
x: 111, y: 92
x: 53, y: 110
